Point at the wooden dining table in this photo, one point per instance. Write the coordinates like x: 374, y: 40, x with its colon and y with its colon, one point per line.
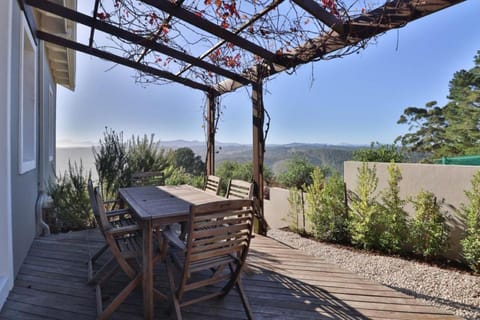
x: 156, y: 206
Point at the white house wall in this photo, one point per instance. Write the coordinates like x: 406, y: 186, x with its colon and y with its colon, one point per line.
x: 6, y: 249
x: 26, y: 186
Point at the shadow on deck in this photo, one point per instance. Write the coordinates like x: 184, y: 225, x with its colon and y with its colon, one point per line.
x: 280, y: 282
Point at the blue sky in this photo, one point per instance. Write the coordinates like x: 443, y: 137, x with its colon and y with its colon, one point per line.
x: 353, y: 100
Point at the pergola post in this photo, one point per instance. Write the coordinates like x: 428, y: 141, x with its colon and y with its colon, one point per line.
x: 258, y: 146
x: 210, y: 161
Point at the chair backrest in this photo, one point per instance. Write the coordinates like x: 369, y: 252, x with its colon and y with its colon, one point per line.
x: 150, y: 178
x: 239, y: 189
x: 98, y: 207
x: 212, y: 184
x: 219, y: 229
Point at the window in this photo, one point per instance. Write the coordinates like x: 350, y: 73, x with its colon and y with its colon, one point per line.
x: 28, y: 101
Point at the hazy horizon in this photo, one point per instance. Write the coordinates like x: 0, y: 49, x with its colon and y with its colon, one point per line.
x: 275, y: 154
x: 62, y: 144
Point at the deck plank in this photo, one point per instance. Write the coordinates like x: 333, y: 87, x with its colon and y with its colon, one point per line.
x: 280, y: 282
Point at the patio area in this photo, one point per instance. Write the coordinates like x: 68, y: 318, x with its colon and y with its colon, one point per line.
x: 281, y: 283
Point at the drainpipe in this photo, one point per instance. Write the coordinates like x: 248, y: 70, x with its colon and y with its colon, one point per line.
x: 43, y: 202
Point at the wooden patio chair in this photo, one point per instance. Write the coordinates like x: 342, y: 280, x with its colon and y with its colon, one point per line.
x: 212, y: 184
x: 239, y: 189
x: 117, y: 218
x: 124, y: 242
x: 214, y: 253
x: 150, y: 178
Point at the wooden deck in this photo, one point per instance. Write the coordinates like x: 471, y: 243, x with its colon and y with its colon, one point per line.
x: 281, y: 283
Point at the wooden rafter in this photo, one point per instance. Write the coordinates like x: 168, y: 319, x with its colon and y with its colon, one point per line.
x: 274, y: 4
x: 159, y: 31
x: 212, y: 28
x: 394, y: 14
x: 321, y: 14
x: 120, y: 60
x: 152, y: 45
x: 92, y: 28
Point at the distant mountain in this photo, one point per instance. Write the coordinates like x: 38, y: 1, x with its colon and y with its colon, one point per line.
x: 175, y: 144
x: 276, y: 155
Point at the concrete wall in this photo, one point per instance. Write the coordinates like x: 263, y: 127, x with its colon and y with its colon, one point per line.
x: 276, y: 208
x: 277, y: 211
x: 447, y: 182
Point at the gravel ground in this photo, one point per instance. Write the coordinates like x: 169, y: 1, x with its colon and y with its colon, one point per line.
x: 450, y: 289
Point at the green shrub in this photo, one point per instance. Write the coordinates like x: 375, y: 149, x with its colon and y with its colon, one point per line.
x: 111, y: 162
x: 296, y: 209
x: 471, y: 217
x: 229, y: 169
x: 393, y: 217
x: 71, y: 201
x: 429, y: 231
x: 178, y: 175
x: 297, y: 173
x: 116, y: 160
x: 192, y: 163
x: 144, y: 154
x: 379, y: 153
x: 326, y: 207
x: 364, y: 221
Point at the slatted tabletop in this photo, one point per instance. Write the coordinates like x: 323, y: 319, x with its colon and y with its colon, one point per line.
x: 165, y: 203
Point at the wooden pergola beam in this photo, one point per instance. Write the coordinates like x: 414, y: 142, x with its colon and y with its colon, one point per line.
x: 321, y: 14
x: 258, y: 143
x: 211, y: 119
x: 93, y: 26
x: 120, y: 60
x: 274, y: 4
x: 211, y: 28
x: 73, y: 15
x: 394, y: 14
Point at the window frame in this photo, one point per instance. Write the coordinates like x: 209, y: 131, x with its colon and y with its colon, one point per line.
x: 27, y: 160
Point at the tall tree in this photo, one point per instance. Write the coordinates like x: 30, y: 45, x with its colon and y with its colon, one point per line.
x: 187, y: 159
x: 379, y: 153
x: 453, y: 129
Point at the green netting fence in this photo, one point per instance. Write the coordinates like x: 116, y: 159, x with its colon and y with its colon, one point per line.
x: 463, y: 160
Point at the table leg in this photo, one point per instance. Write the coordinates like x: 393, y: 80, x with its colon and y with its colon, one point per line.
x: 148, y: 270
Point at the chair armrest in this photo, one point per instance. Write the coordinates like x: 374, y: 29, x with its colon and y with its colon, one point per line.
x: 124, y: 230
x: 111, y: 204
x: 173, y: 238
x: 111, y: 201
x: 119, y: 212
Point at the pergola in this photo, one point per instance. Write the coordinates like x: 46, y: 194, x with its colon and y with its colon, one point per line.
x: 218, y: 46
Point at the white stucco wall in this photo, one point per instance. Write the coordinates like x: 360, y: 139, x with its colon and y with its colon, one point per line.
x: 6, y: 249
x: 276, y: 208
x: 447, y: 182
